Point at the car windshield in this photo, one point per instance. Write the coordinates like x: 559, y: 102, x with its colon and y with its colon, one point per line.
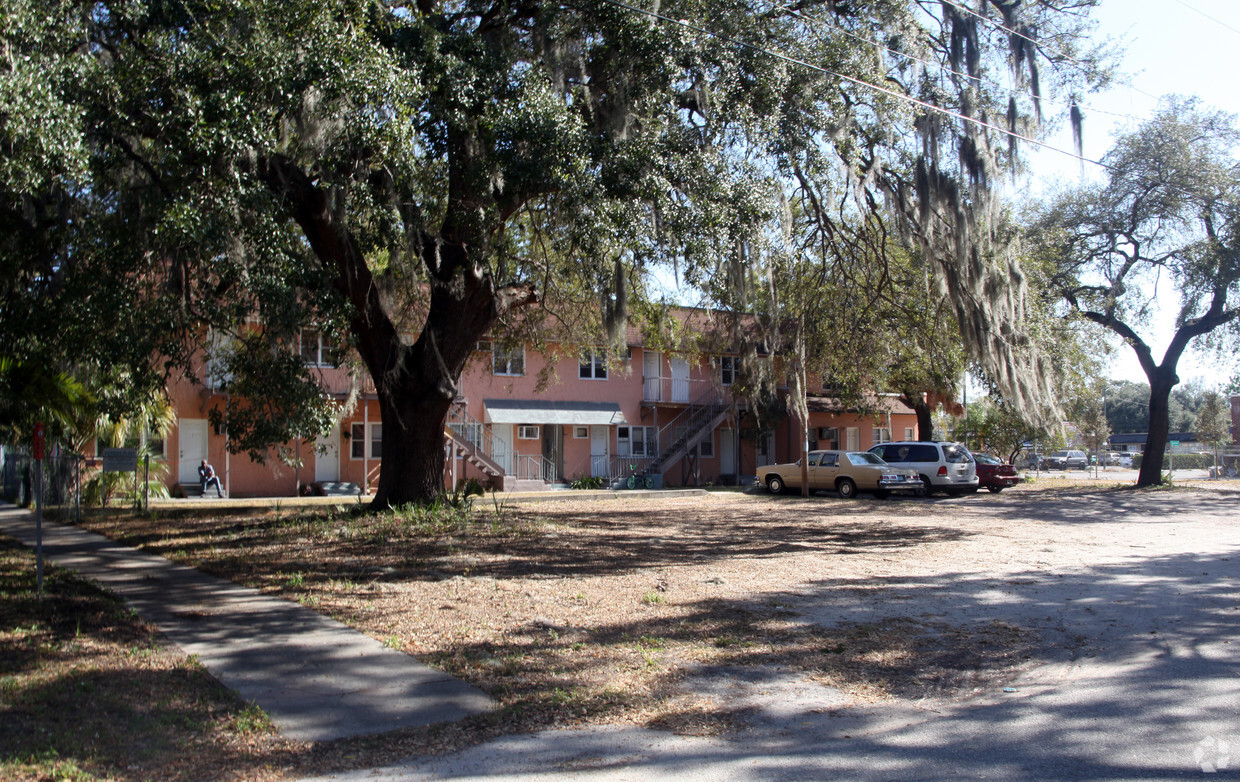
x: 985, y: 458
x: 956, y: 454
x: 865, y: 458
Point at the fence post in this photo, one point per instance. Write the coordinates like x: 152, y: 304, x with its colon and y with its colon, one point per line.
x: 38, y: 525
x: 146, y: 483
x: 77, y: 488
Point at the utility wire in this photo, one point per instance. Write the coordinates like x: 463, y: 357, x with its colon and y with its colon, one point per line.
x: 991, y: 82
x: 1219, y: 22
x: 854, y: 80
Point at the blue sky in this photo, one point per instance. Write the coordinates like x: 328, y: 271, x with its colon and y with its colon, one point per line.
x: 1186, y: 47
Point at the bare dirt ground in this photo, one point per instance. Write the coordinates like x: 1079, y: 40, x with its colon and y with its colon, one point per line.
x: 649, y: 612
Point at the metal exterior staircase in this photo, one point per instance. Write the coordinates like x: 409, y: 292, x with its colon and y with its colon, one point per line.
x: 478, y: 454
x: 698, y: 420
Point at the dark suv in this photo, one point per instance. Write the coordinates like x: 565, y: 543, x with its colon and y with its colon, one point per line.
x: 946, y: 467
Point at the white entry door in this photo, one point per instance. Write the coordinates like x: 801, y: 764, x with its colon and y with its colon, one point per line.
x: 652, y: 380
x: 600, y: 457
x: 191, y: 448
x: 727, y: 451
x: 501, y: 446
x: 327, y: 458
x: 766, y: 449
x: 680, y: 378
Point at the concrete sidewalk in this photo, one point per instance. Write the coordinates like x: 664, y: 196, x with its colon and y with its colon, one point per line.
x: 316, y: 678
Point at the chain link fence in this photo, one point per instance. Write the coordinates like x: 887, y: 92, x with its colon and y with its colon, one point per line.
x: 62, y: 483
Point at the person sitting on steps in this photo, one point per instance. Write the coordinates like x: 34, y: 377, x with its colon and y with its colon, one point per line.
x: 206, y: 474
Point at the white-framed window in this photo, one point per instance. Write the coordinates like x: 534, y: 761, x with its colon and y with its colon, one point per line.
x: 507, y: 361
x: 581, y: 433
x: 852, y: 439
x: 592, y: 364
x: 527, y: 432
x: 908, y: 433
x: 318, y: 349
x: 881, y: 435
x: 357, y: 441
x: 706, y: 448
x: 727, y: 369
x: 637, y: 441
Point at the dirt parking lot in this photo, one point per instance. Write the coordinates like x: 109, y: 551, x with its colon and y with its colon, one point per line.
x: 658, y: 612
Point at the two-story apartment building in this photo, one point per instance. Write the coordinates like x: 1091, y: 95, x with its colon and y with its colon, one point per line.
x: 532, y: 420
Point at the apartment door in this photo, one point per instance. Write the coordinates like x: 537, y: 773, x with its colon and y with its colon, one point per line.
x: 501, y: 446
x: 727, y: 451
x: 553, y: 451
x: 600, y: 456
x: 191, y: 448
x: 327, y: 458
x: 680, y: 378
x: 766, y: 449
x: 652, y: 380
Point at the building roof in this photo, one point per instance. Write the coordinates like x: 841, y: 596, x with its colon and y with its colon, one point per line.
x: 871, y: 403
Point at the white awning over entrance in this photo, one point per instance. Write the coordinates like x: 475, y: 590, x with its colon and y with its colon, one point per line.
x: 537, y: 411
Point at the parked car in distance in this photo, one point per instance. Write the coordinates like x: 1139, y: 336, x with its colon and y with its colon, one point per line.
x: 1066, y: 460
x: 846, y: 472
x: 946, y: 467
x: 1111, y: 459
x: 1125, y: 460
x: 994, y: 474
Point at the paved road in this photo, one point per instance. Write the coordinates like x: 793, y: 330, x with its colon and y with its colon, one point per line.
x: 1141, y: 680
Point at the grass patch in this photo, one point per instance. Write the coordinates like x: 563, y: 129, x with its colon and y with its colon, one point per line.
x: 88, y: 691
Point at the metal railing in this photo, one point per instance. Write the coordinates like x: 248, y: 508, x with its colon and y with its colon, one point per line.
x: 679, y: 390
x: 688, y: 424
x: 534, y: 468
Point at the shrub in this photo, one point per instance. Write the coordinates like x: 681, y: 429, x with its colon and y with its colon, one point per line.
x: 1183, y: 461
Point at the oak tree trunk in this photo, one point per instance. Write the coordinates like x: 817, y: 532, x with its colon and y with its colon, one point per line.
x: 1161, y: 382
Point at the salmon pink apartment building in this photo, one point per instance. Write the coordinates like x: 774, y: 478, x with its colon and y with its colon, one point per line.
x: 528, y: 420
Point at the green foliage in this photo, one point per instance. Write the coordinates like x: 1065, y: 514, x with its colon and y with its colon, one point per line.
x: 1181, y: 461
x: 410, y: 178
x: 1213, y: 424
x: 583, y: 482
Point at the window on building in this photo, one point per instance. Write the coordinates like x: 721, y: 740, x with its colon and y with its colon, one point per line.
x: 829, y: 438
x: 593, y: 365
x: 527, y: 432
x: 318, y: 349
x: 706, y: 448
x: 507, y: 361
x: 727, y: 369
x: 581, y: 433
x: 908, y: 433
x: 881, y: 435
x: 637, y: 441
x: 357, y: 441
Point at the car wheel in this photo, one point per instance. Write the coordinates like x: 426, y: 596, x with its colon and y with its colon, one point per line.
x: 775, y: 484
x: 927, y: 487
x: 995, y: 489
x: 846, y: 488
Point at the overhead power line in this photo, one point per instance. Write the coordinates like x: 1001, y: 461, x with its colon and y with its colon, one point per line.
x: 854, y: 80
x: 1217, y: 21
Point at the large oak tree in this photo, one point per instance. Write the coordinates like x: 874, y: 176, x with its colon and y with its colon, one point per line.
x: 1164, y: 223
x: 414, y: 176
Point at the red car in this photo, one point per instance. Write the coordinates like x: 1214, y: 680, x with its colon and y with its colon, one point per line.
x: 994, y: 474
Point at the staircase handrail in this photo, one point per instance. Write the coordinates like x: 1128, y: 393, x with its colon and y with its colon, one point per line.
x: 693, y: 418
x: 457, y: 414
